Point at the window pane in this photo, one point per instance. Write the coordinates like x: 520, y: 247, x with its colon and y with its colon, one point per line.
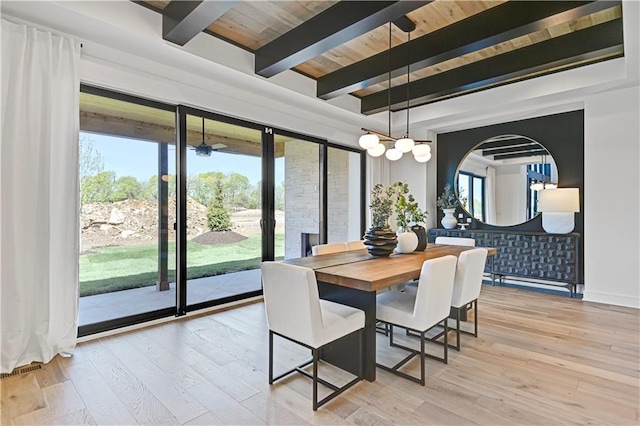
x: 478, y: 198
x: 464, y: 191
x: 124, y: 186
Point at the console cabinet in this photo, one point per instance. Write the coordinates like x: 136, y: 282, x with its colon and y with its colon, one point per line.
x: 529, y: 255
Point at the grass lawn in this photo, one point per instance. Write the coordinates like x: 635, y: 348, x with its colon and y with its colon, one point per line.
x: 109, y: 269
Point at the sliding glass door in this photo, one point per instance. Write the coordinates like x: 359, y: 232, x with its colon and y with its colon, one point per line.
x: 223, y: 209
x: 179, y: 206
x: 127, y: 193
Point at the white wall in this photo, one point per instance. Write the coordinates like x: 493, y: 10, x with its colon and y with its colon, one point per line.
x: 612, y: 197
x: 511, y: 195
x: 413, y: 173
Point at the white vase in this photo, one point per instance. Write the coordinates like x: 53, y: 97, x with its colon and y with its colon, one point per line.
x: 448, y: 221
x: 407, y: 241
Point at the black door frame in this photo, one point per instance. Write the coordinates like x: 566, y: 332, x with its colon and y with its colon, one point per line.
x: 268, y: 202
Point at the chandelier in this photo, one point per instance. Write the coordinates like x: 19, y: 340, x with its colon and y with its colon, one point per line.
x: 377, y: 143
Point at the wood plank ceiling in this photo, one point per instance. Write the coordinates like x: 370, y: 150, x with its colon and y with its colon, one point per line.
x: 457, y: 46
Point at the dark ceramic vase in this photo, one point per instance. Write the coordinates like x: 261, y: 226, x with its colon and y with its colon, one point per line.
x: 380, y: 241
x: 422, y: 237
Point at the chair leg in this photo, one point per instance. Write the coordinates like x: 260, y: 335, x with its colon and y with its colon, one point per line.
x: 475, y: 318
x: 458, y: 329
x: 360, y: 355
x: 474, y: 306
x: 446, y: 345
x: 315, y: 379
x: 422, y: 358
x: 270, y: 357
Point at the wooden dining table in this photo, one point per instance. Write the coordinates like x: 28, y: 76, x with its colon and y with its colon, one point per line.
x: 353, y: 278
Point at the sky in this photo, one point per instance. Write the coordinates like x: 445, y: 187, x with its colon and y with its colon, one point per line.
x: 138, y: 158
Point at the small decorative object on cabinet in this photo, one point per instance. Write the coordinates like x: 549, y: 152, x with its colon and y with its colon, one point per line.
x: 380, y: 240
x: 448, y: 202
x: 448, y: 221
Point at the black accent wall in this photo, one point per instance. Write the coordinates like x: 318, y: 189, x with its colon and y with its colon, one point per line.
x: 562, y: 135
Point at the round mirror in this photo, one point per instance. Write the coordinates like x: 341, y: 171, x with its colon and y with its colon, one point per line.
x: 499, y: 180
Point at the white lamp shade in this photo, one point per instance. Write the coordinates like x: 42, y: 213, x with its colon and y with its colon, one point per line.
x: 368, y: 141
x: 405, y: 144
x: 423, y: 158
x: 376, y: 151
x: 393, y: 154
x: 559, y: 200
x: 421, y: 150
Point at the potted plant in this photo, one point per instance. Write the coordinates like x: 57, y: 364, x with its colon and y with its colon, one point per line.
x: 410, y: 238
x: 380, y: 240
x: 448, y: 202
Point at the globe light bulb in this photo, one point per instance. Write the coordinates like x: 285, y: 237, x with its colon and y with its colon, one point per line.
x: 423, y: 158
x: 368, y: 140
x: 393, y: 154
x: 405, y: 144
x: 376, y: 151
x: 421, y: 150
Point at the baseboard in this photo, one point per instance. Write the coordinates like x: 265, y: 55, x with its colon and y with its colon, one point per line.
x: 540, y: 288
x: 611, y: 299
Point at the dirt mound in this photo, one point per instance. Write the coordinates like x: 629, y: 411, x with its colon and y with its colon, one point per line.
x: 221, y: 237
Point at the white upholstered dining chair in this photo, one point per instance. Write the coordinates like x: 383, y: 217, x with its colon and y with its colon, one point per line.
x: 419, y: 312
x: 328, y: 248
x: 355, y: 245
x: 467, y: 286
x: 456, y: 241
x: 296, y: 313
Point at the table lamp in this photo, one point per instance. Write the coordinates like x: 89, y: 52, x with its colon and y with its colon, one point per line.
x: 558, y: 207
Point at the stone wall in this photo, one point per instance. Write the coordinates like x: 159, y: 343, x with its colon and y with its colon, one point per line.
x: 302, y: 195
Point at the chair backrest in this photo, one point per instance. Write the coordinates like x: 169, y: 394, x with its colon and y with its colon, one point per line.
x: 355, y: 245
x: 328, y: 248
x: 469, y: 273
x: 456, y: 241
x: 435, y: 288
x: 291, y: 301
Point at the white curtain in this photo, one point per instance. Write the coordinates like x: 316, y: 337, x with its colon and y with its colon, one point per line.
x: 490, y: 195
x: 39, y: 220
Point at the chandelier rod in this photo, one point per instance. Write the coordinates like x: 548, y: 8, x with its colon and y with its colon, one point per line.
x: 389, y: 79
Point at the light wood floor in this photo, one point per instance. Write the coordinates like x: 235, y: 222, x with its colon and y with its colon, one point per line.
x: 540, y: 359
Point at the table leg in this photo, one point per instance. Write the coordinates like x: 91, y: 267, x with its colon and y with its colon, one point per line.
x: 341, y: 353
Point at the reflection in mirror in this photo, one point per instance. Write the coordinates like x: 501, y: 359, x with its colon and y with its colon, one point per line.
x: 498, y: 181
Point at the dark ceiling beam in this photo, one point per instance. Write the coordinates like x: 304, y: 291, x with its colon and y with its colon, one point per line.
x: 520, y: 155
x: 591, y: 44
x: 493, y: 26
x: 533, y: 146
x: 183, y: 20
x: 516, y: 140
x: 335, y: 26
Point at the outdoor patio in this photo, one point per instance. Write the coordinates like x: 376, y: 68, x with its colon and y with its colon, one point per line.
x: 118, y: 304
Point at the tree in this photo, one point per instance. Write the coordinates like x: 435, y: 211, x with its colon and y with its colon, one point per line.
x: 89, y: 159
x: 127, y: 188
x: 98, y: 188
x: 218, y: 217
x: 280, y: 196
x: 202, y: 187
x: 236, y: 187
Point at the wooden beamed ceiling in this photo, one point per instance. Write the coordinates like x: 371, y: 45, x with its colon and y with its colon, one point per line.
x: 457, y: 46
